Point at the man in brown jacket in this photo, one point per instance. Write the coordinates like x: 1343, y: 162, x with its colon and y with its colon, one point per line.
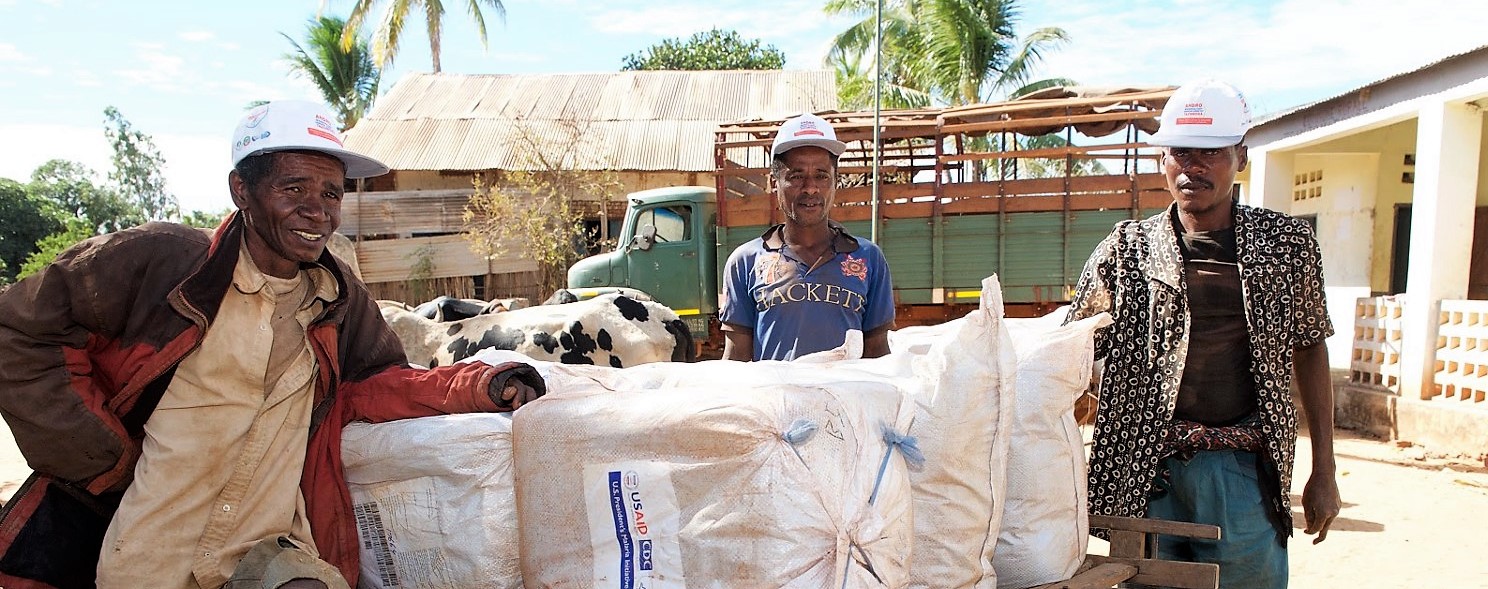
x: 181, y: 396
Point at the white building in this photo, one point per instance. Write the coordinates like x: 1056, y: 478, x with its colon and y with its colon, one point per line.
x: 1394, y: 176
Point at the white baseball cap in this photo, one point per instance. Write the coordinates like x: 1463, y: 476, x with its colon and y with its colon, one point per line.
x: 284, y: 125
x: 807, y: 129
x: 1203, y: 114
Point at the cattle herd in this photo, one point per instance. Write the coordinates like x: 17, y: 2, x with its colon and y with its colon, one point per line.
x: 618, y: 329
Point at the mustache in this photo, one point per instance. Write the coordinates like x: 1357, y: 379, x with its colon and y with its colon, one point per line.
x: 1195, y: 182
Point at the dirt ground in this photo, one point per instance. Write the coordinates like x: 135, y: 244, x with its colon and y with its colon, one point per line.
x: 1410, y: 518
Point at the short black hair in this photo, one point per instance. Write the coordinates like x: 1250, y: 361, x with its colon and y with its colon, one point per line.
x: 255, y: 168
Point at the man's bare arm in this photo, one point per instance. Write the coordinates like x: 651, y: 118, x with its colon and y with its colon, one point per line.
x: 737, y: 344
x: 876, y: 342
x: 1320, y: 500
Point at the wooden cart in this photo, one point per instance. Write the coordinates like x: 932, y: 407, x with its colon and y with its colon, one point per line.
x: 1131, y: 557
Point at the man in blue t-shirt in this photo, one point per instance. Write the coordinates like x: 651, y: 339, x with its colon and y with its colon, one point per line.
x: 800, y: 286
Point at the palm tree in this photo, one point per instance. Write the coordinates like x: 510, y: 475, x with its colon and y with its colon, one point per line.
x: 956, y: 51
x: 395, y: 15
x: 346, y: 77
x: 950, y: 52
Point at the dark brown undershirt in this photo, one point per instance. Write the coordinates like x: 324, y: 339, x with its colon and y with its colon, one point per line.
x: 1217, y: 387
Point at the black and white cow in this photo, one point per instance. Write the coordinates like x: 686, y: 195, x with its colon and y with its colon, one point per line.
x: 447, y: 308
x: 613, y: 330
x: 564, y: 296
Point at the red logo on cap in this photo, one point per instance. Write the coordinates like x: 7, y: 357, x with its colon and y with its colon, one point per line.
x: 323, y: 134
x: 808, y: 128
x: 1194, y: 121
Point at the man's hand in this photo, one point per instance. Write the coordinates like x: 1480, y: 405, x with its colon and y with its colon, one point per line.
x: 1320, y: 504
x: 516, y: 385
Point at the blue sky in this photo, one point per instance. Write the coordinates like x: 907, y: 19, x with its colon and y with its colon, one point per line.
x: 183, y: 70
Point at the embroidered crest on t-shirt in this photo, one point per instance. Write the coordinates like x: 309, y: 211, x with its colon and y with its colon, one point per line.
x: 855, y: 267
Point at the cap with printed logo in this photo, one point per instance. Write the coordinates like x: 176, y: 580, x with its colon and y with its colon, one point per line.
x: 1204, y: 114
x: 807, y: 129
x: 284, y: 125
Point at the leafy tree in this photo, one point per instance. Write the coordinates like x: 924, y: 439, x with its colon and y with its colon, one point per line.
x: 950, y: 52
x: 855, y: 87
x: 24, y: 220
x: 346, y: 76
x: 75, y: 230
x: 709, y: 50
x: 139, y: 169
x: 71, y: 187
x: 956, y: 51
x: 204, y: 219
x: 534, y: 210
x: 390, y: 27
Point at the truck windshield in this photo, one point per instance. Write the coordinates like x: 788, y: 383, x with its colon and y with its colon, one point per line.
x: 673, y: 223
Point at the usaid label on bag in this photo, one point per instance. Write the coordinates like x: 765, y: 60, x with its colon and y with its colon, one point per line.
x: 633, y: 523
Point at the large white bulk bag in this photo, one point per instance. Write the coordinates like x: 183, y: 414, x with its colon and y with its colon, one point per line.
x: 717, y: 486
x: 959, y: 375
x: 433, y: 501
x: 1045, y: 529
x: 963, y: 425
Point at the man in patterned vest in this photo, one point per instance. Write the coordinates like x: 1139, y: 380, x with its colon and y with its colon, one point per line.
x: 1216, y: 306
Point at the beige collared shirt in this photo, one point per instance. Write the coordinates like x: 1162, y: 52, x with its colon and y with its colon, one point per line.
x: 224, y: 450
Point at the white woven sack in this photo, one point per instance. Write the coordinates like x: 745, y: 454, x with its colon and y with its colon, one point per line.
x: 433, y: 501
x: 1046, y: 528
x: 962, y: 424
x: 712, y: 487
x: 960, y: 377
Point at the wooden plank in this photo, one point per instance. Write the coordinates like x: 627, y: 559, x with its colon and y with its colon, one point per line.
x: 1022, y: 105
x: 1166, y: 573
x: 1155, y: 526
x: 390, y: 260
x: 1088, y: 193
x: 1102, y: 576
x: 1060, y: 120
x: 403, y: 212
x: 1077, y: 184
x: 1128, y: 544
x: 1048, y: 152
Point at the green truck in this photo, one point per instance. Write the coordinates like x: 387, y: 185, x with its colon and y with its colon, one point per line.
x: 949, y: 212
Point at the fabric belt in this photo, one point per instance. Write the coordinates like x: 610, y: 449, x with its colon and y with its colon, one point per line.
x: 1187, y: 438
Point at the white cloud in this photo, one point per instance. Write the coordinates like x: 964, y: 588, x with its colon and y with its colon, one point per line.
x: 46, y: 142
x: 9, y: 52
x: 86, y: 78
x: 196, y: 169
x: 156, y: 69
x: 229, y: 46
x: 197, y: 36
x: 196, y: 165
x: 797, y: 28
x: 772, y: 23
x: 1292, y: 51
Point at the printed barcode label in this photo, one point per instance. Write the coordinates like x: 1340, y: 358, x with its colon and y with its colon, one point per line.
x: 374, y: 538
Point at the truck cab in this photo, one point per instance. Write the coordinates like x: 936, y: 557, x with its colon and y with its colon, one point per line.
x: 667, y: 249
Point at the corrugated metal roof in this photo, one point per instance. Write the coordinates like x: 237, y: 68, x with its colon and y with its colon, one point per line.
x: 641, y: 121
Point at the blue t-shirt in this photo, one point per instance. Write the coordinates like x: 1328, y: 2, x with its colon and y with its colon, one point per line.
x: 796, y: 310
